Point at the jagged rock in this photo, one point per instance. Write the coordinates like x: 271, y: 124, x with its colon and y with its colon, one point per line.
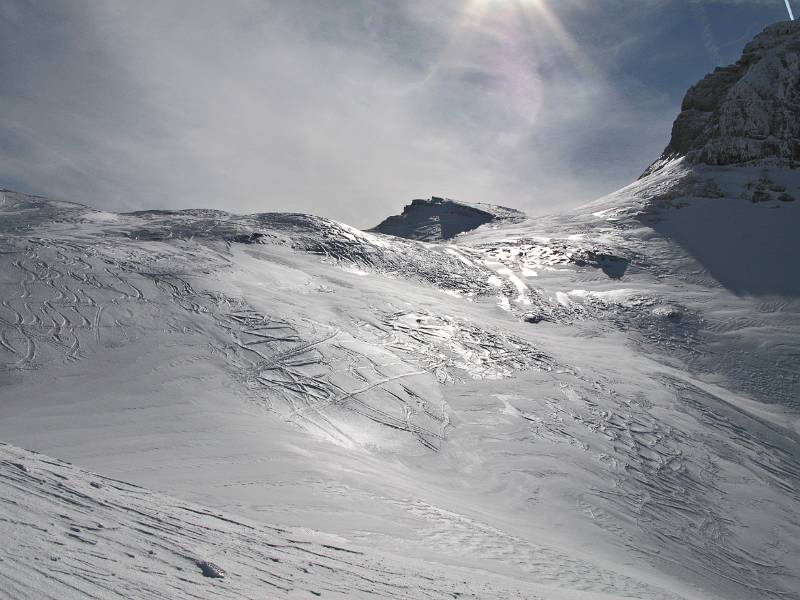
x: 209, y: 569
x: 746, y: 111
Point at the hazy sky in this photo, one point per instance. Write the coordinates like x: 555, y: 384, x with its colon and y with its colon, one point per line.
x: 349, y: 108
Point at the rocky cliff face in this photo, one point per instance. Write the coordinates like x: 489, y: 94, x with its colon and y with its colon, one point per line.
x: 747, y: 111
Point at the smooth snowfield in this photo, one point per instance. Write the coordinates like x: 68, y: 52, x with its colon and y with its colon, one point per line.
x: 619, y: 424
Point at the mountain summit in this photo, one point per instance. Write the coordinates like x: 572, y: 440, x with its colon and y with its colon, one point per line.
x: 747, y: 111
x: 441, y: 219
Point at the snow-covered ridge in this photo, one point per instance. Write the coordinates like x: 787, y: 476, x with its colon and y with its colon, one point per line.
x: 747, y: 111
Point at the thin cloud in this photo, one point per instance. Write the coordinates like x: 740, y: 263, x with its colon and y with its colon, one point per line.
x: 342, y: 109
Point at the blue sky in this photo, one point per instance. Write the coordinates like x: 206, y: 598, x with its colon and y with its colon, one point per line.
x: 349, y: 108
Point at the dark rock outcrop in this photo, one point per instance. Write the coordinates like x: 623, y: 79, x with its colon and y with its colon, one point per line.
x: 747, y: 111
x: 441, y: 219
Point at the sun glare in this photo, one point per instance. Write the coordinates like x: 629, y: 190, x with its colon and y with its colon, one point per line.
x: 537, y: 15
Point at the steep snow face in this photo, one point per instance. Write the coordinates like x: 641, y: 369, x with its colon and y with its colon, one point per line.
x: 441, y: 219
x: 746, y: 111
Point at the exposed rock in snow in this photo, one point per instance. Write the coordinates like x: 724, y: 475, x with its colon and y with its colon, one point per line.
x: 209, y: 569
x: 441, y: 219
x: 746, y: 111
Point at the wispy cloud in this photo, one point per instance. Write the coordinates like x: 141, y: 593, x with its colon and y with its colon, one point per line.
x: 346, y: 109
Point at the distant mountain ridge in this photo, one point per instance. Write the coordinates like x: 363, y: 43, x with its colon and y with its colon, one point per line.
x: 747, y: 111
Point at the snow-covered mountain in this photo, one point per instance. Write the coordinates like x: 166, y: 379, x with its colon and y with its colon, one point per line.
x: 597, y: 404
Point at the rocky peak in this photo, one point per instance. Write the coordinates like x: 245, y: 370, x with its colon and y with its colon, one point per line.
x: 437, y: 219
x: 747, y: 111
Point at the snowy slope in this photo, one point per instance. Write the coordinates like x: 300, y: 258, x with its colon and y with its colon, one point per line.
x: 291, y: 368
x: 68, y: 533
x: 598, y: 404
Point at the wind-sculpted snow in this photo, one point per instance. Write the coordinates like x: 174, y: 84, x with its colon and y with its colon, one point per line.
x: 68, y: 533
x: 531, y: 255
x: 336, y: 242
x: 448, y: 345
x: 388, y: 256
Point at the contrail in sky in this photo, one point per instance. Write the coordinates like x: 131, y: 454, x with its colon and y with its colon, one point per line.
x: 789, y: 8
